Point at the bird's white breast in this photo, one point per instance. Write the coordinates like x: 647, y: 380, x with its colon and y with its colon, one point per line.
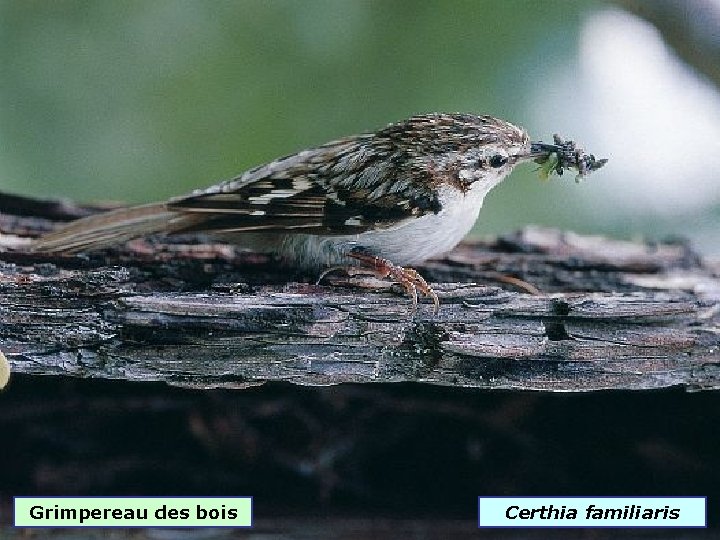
x: 430, y: 235
x: 410, y: 242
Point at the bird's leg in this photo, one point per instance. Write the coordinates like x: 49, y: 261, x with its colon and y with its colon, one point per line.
x: 409, y: 278
x: 381, y: 268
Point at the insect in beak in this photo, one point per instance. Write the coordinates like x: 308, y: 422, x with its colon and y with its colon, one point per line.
x: 559, y: 156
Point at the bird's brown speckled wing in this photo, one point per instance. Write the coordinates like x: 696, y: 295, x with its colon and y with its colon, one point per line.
x: 361, y: 183
x: 345, y: 187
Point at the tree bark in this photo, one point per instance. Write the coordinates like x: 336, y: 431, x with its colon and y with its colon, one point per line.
x: 193, y: 312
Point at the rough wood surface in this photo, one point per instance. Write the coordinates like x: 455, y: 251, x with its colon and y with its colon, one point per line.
x: 193, y: 312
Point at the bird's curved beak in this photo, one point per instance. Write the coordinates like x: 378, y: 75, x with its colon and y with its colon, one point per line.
x: 539, y: 152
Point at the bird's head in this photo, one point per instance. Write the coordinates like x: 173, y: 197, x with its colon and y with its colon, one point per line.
x: 468, y: 149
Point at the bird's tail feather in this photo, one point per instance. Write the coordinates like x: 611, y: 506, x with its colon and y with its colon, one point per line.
x: 110, y: 228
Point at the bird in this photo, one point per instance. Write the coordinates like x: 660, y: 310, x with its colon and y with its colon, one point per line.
x: 377, y: 203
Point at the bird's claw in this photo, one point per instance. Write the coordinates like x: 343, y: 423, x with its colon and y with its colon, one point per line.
x: 408, y: 278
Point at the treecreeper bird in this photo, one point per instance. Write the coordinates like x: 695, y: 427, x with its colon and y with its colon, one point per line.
x: 373, y: 203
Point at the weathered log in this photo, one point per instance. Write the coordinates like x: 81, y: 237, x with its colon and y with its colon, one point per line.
x: 193, y: 312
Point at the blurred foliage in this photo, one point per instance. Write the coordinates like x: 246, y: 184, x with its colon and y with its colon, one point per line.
x: 139, y: 100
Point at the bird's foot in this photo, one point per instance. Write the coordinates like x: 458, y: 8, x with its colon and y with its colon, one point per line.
x: 409, y: 278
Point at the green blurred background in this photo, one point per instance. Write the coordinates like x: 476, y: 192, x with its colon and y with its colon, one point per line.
x: 141, y: 100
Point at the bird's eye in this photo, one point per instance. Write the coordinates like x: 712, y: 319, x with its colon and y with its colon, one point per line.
x: 497, y: 161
